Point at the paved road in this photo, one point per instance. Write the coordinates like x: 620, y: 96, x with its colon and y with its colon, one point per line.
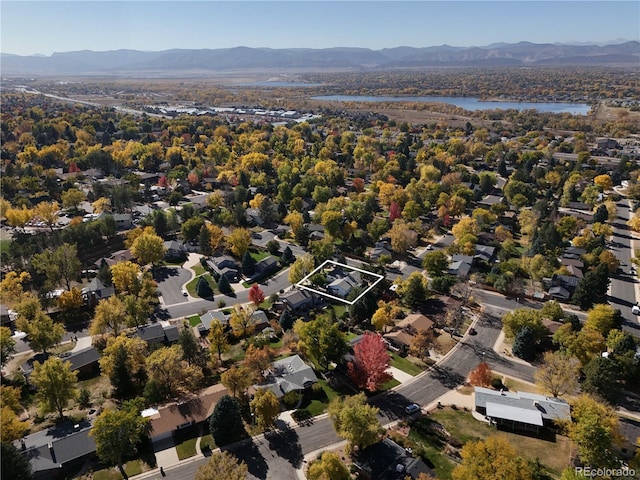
x: 622, y: 289
x: 170, y: 281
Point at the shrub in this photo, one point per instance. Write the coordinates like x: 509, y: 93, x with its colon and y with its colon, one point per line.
x: 301, y: 414
x: 317, y: 389
x: 222, y: 303
x: 291, y: 399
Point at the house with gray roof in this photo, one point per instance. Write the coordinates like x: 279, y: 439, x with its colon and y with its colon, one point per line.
x: 224, y: 265
x: 521, y: 410
x: 96, y: 291
x: 213, y: 315
x: 298, y: 301
x: 288, y: 375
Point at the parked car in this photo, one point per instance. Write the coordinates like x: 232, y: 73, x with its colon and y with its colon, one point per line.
x: 635, y: 310
x: 411, y: 409
x: 184, y: 293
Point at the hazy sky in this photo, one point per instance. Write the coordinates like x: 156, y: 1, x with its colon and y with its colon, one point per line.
x: 29, y: 27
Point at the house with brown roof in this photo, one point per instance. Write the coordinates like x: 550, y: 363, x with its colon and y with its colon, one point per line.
x: 406, y: 330
x: 189, y: 410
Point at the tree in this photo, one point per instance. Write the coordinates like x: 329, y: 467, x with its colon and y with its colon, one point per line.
x: 216, y: 237
x: 490, y: 459
x: 602, y: 318
x: 329, y: 466
x: 592, y: 288
x: 172, y: 375
x: 116, y: 434
x: 204, y: 240
x: 72, y: 198
x: 384, y: 316
x: 436, y: 263
x: 191, y: 228
x: 241, y: 321
x: 58, y: 265
x: 12, y: 287
x: 552, y: 310
x: 356, y: 421
x: 322, y: 340
x: 525, y: 343
x: 594, y: 428
x: 226, y: 422
x: 256, y: 295
x: 257, y: 360
x: 603, y: 377
x: 7, y: 345
x: 11, y: 428
x: 125, y: 277
x: 148, y: 248
x: 237, y: 380
x: 203, y: 289
x: 55, y: 383
x: 13, y: 463
x: 266, y: 407
x: 222, y: 465
x: 42, y: 332
x: 239, y: 241
x: 217, y: 338
x: 301, y: 268
x: 403, y: 237
x: 110, y: 317
x: 369, y: 369
x: 70, y: 300
x: 414, y: 290
x: 481, y: 375
x: 224, y: 286
x: 422, y: 343
x: 287, y: 256
x: 558, y: 374
x: 123, y: 361
x: 514, y: 322
x: 192, y: 352
x: 286, y: 320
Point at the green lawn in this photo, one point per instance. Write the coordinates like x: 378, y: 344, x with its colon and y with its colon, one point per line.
x: 317, y: 403
x: 207, y: 441
x: 463, y: 427
x: 4, y: 246
x: 191, y: 286
x: 134, y: 467
x: 259, y: 255
x: 194, y: 320
x: 187, y: 448
x: 405, y: 365
x: 198, y: 269
x: 389, y: 385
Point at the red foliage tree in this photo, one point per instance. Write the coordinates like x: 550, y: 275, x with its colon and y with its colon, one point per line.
x: 73, y: 167
x: 193, y: 179
x: 394, y: 211
x: 358, y: 184
x: 256, y: 295
x: 369, y: 370
x: 163, y: 182
x: 481, y: 376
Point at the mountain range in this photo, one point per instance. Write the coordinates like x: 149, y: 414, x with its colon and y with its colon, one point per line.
x: 181, y: 61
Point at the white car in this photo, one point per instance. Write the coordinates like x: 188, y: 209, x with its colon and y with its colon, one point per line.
x: 411, y: 409
x: 184, y: 293
x: 635, y: 310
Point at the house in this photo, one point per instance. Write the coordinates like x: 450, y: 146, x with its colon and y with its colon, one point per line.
x: 485, y: 253
x: 298, y: 301
x: 460, y: 265
x: 191, y: 410
x: 84, y: 361
x: 96, y: 291
x: 342, y: 286
x: 259, y: 320
x: 56, y: 448
x: 288, y: 375
x: 630, y: 433
x: 253, y: 216
x: 563, y: 286
x: 209, y: 317
x: 520, y: 410
x: 7, y: 316
x: 386, y: 460
x: 123, y: 221
x: 224, y: 265
x: 174, y: 250
x: 265, y: 267
x: 406, y: 330
x: 152, y: 334
x: 119, y: 256
x: 380, y: 251
x: 490, y: 200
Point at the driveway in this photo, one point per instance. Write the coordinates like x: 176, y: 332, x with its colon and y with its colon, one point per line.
x: 170, y: 281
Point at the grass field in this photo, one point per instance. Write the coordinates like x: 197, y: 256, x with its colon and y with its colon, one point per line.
x: 194, y: 320
x: 463, y: 427
x: 405, y: 365
x: 134, y: 467
x: 4, y: 246
x: 191, y: 286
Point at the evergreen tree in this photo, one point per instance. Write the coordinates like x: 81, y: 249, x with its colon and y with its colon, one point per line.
x: 287, y: 256
x: 226, y: 422
x: 13, y: 464
x: 601, y: 215
x: 524, y: 343
x: 224, y: 285
x: 204, y: 239
x: 248, y: 264
x: 603, y: 377
x: 203, y: 289
x: 286, y: 320
x: 592, y: 288
x: 120, y: 378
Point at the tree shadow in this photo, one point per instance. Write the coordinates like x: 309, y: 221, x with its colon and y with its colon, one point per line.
x: 286, y: 444
x: 447, y: 377
x: 391, y: 404
x: 162, y: 273
x: 249, y: 453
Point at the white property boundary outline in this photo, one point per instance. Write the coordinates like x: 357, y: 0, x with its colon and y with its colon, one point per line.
x: 324, y: 294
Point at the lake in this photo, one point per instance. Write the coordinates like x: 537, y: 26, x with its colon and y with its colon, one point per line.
x: 469, y: 103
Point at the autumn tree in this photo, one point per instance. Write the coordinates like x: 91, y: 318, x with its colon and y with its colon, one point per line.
x: 241, y: 321
x: 256, y: 295
x: 257, y: 360
x: 7, y: 345
x: 558, y: 374
x: 117, y: 434
x: 239, y: 241
x: 422, y: 343
x: 301, y: 268
x: 584, y: 344
x: 222, y: 465
x: 355, y: 421
x: 436, y: 263
x: 59, y: 265
x: 48, y: 213
x: 11, y: 428
x: 225, y: 423
x: 170, y: 373
x: 490, y: 459
x: 322, y: 340
x: 481, y: 375
x: 414, y: 290
x: 595, y: 429
x: 12, y: 287
x: 125, y: 277
x: 237, y: 380
x: 328, y: 466
x: 55, y: 383
x: 266, y: 407
x: 369, y: 369
x: 217, y: 339
x: 148, y: 248
x: 110, y: 317
x: 403, y: 237
x: 70, y: 300
x: 384, y: 316
x: 514, y: 322
x: 602, y: 318
x: 42, y: 332
x: 123, y: 361
x: 72, y: 198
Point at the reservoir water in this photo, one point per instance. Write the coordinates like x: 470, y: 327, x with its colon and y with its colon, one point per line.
x: 469, y: 103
